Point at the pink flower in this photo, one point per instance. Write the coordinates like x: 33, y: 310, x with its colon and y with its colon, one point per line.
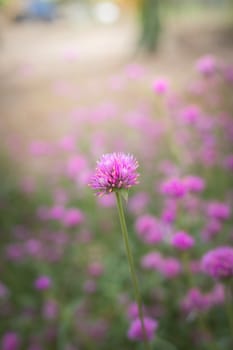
x: 206, y: 65
x: 67, y: 143
x: 10, y: 341
x: 194, y: 183
x: 173, y: 187
x: 95, y: 269
x: 196, y: 301
x: 149, y: 229
x: 72, y: 217
x: 115, y: 171
x: 43, y: 283
x: 75, y: 165
x: 218, y: 263
x: 135, y: 331
x: 169, y: 212
x: 190, y: 114
x: 228, y: 162
x: 182, y: 240
x: 138, y: 202
x: 56, y: 212
x: 170, y: 268
x: 133, y: 312
x: 50, y: 309
x: 217, y: 295
x: 152, y: 261
x: 218, y: 210
x: 160, y: 86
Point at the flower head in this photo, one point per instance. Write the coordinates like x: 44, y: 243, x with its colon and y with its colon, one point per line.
x: 115, y: 171
x: 173, y: 187
x: 206, y: 65
x: 218, y: 263
x: 10, y: 341
x: 182, y: 240
x: 160, y: 86
x: 218, y: 210
x: 42, y: 283
x: 135, y: 331
x: 194, y: 183
x: 195, y: 300
x: 149, y: 229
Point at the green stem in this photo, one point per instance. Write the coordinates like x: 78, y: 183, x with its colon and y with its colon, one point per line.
x: 188, y: 275
x: 229, y: 306
x: 131, y: 265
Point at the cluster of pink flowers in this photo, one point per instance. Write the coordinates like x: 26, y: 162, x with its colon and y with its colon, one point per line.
x: 197, y: 301
x: 169, y: 267
x: 179, y: 187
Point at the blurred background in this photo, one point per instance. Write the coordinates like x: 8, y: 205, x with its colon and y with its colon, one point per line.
x: 53, y: 48
x: 79, y: 78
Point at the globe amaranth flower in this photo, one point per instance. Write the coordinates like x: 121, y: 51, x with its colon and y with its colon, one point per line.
x: 135, y: 331
x: 194, y: 183
x: 10, y: 341
x: 170, y: 267
x: 160, y: 86
x: 206, y: 65
x: 173, y: 187
x: 218, y: 210
x: 149, y: 229
x: 218, y: 263
x: 195, y: 301
x: 114, y: 171
x: 133, y: 311
x: 152, y: 261
x: 43, y: 283
x: 182, y: 240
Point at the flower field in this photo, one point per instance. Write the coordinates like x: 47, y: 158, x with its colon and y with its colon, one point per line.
x: 65, y: 282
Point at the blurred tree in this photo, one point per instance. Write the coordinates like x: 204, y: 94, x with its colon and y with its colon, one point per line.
x: 150, y: 21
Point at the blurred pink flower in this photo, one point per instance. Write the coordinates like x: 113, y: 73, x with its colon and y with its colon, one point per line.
x: 206, y: 65
x: 173, y: 187
x: 195, y: 301
x: 95, y: 269
x: 43, y: 283
x: 160, y: 86
x: 72, y: 217
x: 149, y: 229
x: 138, y: 202
x: 135, y: 331
x: 151, y: 260
x: 133, y: 312
x: 170, y: 267
x: 218, y: 210
x: 182, y: 240
x: 218, y: 263
x: 10, y: 341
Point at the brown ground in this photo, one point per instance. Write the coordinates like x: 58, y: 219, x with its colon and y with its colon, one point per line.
x: 41, y: 77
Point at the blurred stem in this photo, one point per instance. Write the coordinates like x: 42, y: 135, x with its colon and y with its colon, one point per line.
x: 131, y: 265
x: 188, y: 275
x: 229, y: 306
